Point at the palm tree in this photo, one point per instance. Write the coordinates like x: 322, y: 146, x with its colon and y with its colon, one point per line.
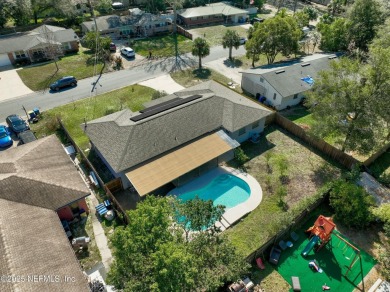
x: 231, y: 39
x: 200, y: 48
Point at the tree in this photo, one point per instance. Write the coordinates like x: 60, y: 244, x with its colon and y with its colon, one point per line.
x: 383, y: 214
x: 350, y: 103
x: 151, y: 253
x: 277, y: 35
x: 229, y: 40
x: 383, y: 36
x: 103, y: 43
x: 311, y: 12
x: 302, y: 19
x: 351, y: 204
x: 63, y: 7
x: 364, y: 18
x: 334, y: 36
x: 5, y: 12
x: 200, y: 48
x: 253, y: 50
x: 21, y: 12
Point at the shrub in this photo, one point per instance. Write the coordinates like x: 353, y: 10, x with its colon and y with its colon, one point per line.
x: 383, y: 214
x: 240, y: 156
x: 351, y: 204
x: 157, y: 94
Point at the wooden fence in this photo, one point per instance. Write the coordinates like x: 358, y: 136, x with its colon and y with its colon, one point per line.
x: 113, y: 184
x: 331, y: 151
x: 184, y: 32
x: 285, y: 233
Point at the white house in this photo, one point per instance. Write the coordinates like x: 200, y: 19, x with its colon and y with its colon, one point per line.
x: 283, y: 86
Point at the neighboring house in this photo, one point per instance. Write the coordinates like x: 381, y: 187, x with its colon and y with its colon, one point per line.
x: 214, y: 13
x: 176, y: 137
x: 41, y: 174
x: 38, y: 181
x: 284, y: 86
x: 40, y: 44
x: 137, y: 23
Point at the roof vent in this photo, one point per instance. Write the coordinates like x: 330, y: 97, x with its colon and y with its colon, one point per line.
x: 305, y: 64
x: 279, y: 71
x: 332, y: 57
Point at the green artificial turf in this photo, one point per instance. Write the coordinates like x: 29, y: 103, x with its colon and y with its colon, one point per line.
x: 334, y: 259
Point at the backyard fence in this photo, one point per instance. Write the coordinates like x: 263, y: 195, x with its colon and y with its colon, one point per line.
x: 331, y: 151
x: 184, y: 32
x: 285, y: 233
x: 113, y: 184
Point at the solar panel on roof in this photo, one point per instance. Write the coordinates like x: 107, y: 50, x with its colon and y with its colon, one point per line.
x: 159, y: 105
x: 165, y: 107
x: 280, y: 71
x: 305, y: 64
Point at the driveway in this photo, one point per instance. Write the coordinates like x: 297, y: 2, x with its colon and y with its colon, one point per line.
x: 163, y: 83
x: 227, y: 68
x: 11, y: 85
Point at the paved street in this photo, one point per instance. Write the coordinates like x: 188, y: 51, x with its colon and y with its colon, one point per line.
x: 110, y: 81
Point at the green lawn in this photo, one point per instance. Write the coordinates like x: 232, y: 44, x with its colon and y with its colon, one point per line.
x: 73, y: 114
x: 308, y: 171
x: 381, y: 168
x: 40, y: 76
x: 214, y: 34
x: 163, y: 46
x: 191, y: 77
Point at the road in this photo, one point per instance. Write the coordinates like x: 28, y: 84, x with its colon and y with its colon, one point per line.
x: 110, y: 81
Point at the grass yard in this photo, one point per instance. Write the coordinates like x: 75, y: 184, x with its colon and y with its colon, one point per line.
x: 191, y: 77
x: 163, y: 46
x: 73, y: 114
x: 381, y: 168
x: 39, y: 77
x: 213, y: 34
x: 307, y: 172
x: 90, y: 257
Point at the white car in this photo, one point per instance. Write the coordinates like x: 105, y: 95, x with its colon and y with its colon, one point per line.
x: 243, y: 40
x: 128, y: 52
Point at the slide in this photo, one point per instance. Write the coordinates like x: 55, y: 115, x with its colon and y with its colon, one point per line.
x: 313, y: 241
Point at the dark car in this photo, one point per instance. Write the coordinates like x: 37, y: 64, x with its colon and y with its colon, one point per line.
x: 63, y: 82
x: 256, y: 19
x: 26, y: 137
x: 112, y: 47
x: 17, y: 124
x: 5, y: 137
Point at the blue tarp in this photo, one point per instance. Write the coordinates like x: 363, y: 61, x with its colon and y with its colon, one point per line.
x: 308, y: 80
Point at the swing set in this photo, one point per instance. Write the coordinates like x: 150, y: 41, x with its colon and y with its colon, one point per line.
x: 347, y: 246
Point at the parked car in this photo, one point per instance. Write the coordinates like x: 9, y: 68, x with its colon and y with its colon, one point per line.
x: 5, y: 137
x: 243, y: 40
x: 26, y: 137
x: 63, y: 82
x: 17, y: 124
x: 112, y: 47
x: 256, y: 19
x: 128, y: 52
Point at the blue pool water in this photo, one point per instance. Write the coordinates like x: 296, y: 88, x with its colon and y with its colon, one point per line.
x: 225, y: 189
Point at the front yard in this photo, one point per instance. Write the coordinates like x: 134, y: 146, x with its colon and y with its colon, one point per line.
x: 73, y: 114
x: 213, y: 34
x: 40, y: 76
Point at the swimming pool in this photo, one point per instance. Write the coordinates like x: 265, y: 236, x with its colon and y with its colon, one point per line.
x: 225, y: 189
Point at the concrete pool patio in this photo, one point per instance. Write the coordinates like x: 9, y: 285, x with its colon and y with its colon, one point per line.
x: 233, y: 214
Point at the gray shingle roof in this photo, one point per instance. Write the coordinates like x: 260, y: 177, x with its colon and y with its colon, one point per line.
x: 33, y: 242
x: 213, y: 9
x: 289, y: 82
x: 23, y: 41
x: 124, y: 143
x: 40, y: 174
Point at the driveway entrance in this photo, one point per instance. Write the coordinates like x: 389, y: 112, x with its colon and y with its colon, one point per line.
x: 10, y: 84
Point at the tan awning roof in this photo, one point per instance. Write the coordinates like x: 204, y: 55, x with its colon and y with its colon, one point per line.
x: 165, y: 169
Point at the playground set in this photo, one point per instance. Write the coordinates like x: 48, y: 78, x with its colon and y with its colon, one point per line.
x: 320, y: 234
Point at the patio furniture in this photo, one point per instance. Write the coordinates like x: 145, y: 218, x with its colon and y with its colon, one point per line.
x: 108, y: 204
x: 101, y: 209
x: 294, y: 236
x: 248, y: 283
x: 295, y: 283
x: 282, y: 244
x: 274, y: 255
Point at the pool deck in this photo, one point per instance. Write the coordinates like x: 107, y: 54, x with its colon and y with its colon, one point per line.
x: 231, y: 215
